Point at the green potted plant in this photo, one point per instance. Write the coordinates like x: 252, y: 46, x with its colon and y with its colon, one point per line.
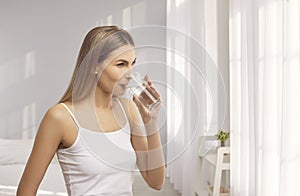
x: 222, y: 136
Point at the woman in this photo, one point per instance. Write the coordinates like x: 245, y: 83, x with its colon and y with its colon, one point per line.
x: 88, y: 127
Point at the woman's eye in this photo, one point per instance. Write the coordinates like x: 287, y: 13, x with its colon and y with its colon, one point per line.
x: 120, y: 64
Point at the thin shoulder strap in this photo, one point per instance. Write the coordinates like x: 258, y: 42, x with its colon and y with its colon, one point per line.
x: 76, y: 122
x: 121, y: 105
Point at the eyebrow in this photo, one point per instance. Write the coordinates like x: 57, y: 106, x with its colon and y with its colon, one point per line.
x: 126, y: 61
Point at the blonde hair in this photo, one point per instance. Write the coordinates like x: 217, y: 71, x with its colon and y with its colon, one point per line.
x: 96, y: 47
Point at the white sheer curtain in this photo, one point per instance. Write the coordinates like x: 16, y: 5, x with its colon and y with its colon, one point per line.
x: 185, y: 120
x: 195, y: 75
x: 265, y: 97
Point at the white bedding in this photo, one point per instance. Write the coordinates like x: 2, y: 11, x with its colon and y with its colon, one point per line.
x: 13, y: 157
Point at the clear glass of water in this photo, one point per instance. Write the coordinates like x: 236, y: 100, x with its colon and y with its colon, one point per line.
x: 139, y: 86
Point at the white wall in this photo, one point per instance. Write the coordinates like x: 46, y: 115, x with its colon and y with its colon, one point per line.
x: 39, y: 42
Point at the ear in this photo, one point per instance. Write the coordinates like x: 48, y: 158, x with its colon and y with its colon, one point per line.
x: 98, y: 69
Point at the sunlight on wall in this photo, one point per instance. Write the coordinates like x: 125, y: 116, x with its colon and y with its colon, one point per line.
x: 127, y: 21
x: 139, y: 9
x: 10, y: 125
x: 109, y: 20
x: 12, y: 74
x: 30, y: 66
x: 100, y: 22
x: 126, y: 18
x: 19, y: 124
x: 29, y: 121
x: 179, y: 2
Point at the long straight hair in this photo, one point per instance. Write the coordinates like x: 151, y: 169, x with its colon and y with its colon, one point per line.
x: 96, y: 47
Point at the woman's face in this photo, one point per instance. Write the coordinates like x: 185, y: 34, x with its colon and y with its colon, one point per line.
x: 119, y: 63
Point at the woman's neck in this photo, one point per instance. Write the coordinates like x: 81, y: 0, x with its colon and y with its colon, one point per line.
x: 103, y: 100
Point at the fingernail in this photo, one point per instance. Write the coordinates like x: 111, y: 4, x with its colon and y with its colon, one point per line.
x: 146, y: 77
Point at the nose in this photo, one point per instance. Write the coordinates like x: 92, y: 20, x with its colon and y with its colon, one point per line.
x: 128, y: 74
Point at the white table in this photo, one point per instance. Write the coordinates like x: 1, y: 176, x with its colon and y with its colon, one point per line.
x: 219, y: 158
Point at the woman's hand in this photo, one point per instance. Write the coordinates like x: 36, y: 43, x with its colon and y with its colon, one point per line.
x: 147, y: 114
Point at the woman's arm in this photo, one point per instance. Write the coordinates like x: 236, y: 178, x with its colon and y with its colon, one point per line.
x: 47, y: 140
x: 150, y: 158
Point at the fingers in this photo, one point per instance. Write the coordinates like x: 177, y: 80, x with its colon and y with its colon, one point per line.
x: 145, y: 113
x: 151, y: 88
x: 154, y: 92
x: 146, y: 77
x: 137, y: 101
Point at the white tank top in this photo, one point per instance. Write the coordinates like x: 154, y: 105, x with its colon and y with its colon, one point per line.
x: 99, y: 163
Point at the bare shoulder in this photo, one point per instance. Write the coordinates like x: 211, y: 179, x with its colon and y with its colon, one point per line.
x: 57, y: 113
x: 62, y: 123
x: 48, y: 139
x: 57, y: 117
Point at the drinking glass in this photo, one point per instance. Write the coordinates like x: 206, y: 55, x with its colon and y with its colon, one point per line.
x: 139, y: 86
